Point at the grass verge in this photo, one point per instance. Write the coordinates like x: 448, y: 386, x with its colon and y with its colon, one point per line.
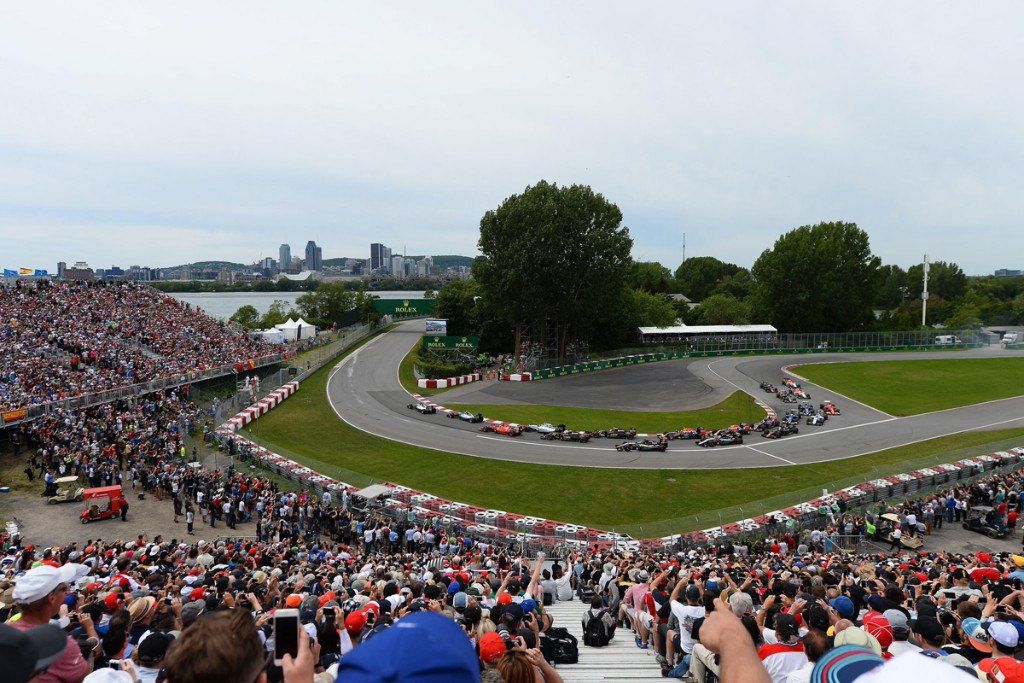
x: 910, y: 387
x: 407, y: 376
x: 306, y: 429
x: 738, y: 407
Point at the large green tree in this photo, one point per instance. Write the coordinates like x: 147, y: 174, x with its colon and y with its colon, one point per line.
x: 819, y: 278
x: 723, y: 309
x: 327, y: 305
x: 555, y: 260
x: 892, y: 287
x: 946, y: 280
x: 698, y: 277
x: 456, y: 303
x: 650, y: 276
x: 247, y: 316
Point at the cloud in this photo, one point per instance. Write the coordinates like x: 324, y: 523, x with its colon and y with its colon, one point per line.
x: 252, y: 124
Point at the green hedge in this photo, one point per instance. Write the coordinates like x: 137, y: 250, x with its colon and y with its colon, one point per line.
x: 592, y: 366
x: 431, y: 366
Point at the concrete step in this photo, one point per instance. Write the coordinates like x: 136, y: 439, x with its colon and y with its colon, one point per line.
x: 621, y: 660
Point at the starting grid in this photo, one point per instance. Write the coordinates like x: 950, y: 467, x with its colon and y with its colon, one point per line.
x: 509, y: 526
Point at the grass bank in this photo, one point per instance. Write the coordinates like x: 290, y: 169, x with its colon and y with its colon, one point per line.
x: 738, y: 407
x: 910, y: 387
x: 306, y: 429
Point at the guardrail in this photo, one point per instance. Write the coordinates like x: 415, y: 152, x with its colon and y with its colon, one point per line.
x: 639, y: 359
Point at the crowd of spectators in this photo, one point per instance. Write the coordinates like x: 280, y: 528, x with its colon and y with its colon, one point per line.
x: 61, y: 339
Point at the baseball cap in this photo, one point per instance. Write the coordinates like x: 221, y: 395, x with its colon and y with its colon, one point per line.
x: 1005, y: 670
x: 879, y: 627
x: 40, y: 581
x: 1003, y: 633
x: 355, y: 622
x: 977, y: 636
x: 898, y: 620
x: 844, y: 664
x: 843, y: 605
x: 294, y: 601
x: 858, y: 637
x: 492, y: 647
x: 153, y: 648
x: 420, y: 648
x: 27, y: 653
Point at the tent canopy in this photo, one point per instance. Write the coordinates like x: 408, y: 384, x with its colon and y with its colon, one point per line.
x: 374, y: 491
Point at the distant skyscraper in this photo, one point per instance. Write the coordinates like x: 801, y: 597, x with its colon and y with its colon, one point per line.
x: 311, y: 261
x: 319, y: 258
x: 284, y: 256
x: 380, y: 257
x: 61, y: 268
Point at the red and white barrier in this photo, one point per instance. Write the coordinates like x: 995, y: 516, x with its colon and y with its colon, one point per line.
x: 515, y: 376
x: 261, y: 407
x: 448, y: 382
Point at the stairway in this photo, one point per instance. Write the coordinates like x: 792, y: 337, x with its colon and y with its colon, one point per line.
x: 621, y: 660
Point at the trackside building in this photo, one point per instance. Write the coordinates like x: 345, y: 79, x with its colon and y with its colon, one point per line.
x: 685, y: 333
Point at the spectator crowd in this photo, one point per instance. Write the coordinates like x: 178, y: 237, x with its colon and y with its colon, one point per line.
x: 62, y: 339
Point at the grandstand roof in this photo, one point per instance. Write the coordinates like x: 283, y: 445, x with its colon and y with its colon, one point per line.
x: 708, y: 329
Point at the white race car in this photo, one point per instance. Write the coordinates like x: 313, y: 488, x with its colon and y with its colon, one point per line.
x: 546, y: 428
x: 422, y: 408
x: 466, y: 417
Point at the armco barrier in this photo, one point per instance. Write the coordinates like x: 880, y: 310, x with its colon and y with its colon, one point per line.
x: 503, y: 525
x: 638, y: 359
x: 448, y: 382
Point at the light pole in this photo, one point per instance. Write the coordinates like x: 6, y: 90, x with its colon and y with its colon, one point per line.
x: 924, y: 294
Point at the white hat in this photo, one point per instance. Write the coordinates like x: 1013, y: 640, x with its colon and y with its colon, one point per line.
x: 107, y: 675
x: 40, y: 581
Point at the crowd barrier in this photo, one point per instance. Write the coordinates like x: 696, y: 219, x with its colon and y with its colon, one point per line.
x: 448, y: 382
x: 517, y: 376
x: 542, y: 533
x: 639, y: 359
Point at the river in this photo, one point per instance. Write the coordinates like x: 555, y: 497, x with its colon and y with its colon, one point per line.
x: 224, y: 304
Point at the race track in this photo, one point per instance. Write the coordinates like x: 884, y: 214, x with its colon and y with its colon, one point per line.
x: 364, y: 391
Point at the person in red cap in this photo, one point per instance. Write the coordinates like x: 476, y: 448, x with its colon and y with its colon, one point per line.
x: 492, y: 648
x: 1002, y: 670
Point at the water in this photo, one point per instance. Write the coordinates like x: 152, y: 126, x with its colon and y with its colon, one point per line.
x: 224, y: 304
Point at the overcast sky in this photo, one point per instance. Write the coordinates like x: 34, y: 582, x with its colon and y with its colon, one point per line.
x: 162, y: 133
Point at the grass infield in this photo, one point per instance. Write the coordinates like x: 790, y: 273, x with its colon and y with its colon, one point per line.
x: 306, y: 429
x: 910, y: 387
x: 738, y: 407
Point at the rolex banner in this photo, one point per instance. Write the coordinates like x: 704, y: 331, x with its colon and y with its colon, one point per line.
x: 437, y: 342
x: 404, y: 307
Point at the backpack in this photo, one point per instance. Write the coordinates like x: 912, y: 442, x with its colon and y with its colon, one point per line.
x: 559, y: 646
x: 595, y: 633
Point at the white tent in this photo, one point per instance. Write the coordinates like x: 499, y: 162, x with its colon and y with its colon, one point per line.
x: 273, y: 336
x: 305, y: 330
x: 289, y: 328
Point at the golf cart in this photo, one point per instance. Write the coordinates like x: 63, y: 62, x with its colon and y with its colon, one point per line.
x: 97, y: 511
x: 883, y: 532
x: 69, y: 494
x: 981, y: 519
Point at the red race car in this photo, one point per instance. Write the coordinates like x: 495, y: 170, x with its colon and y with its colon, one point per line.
x: 830, y: 408
x: 503, y: 428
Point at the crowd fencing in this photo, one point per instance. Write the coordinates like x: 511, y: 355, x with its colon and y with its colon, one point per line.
x: 772, y: 344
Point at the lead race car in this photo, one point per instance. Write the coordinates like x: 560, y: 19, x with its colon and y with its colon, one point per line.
x: 799, y: 392
x: 504, y: 428
x: 422, y: 408
x: 830, y: 408
x: 466, y: 417
x: 567, y: 435
x: 647, y: 445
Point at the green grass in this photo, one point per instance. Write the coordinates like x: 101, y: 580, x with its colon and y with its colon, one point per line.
x: 738, y: 407
x: 306, y: 429
x: 910, y: 387
x: 408, y: 378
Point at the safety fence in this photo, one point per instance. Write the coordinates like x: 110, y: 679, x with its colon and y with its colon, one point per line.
x: 775, y: 344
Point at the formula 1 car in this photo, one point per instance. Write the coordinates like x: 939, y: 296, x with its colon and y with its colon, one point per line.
x: 422, y: 408
x: 791, y: 417
x: 722, y: 438
x: 742, y: 428
x: 567, y: 435
x: 647, y: 445
x: 805, y: 408
x: 780, y: 431
x: 799, y: 392
x: 786, y: 396
x: 466, y: 417
x: 617, y: 433
x: 687, y: 433
x: 830, y: 408
x: 546, y: 428
x: 790, y: 382
x: 766, y: 423
x: 770, y: 388
x: 503, y: 428
x: 817, y: 420
x: 983, y: 520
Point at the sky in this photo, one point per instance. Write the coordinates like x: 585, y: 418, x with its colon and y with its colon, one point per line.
x: 164, y: 133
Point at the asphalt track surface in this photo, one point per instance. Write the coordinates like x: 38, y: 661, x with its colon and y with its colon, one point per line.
x: 364, y: 391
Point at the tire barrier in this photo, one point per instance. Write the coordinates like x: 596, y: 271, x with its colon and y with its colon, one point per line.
x: 448, y: 382
x: 261, y: 407
x: 516, y: 376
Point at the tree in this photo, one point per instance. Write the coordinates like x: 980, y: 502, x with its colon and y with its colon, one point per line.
x: 892, y: 287
x: 652, y: 310
x: 552, y: 255
x: 738, y: 285
x: 650, y: 276
x: 247, y: 316
x: 698, y: 277
x: 819, y: 278
x: 275, y: 315
x: 946, y: 280
x: 722, y: 309
x: 456, y: 303
x: 965, y: 317
x: 368, y: 314
x: 1018, y: 308
x: 327, y: 305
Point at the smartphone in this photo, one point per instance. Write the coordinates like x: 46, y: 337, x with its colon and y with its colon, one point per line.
x: 286, y: 634
x: 114, y: 664
x: 329, y: 611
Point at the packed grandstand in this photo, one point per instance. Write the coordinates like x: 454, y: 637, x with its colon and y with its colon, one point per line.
x: 408, y: 592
